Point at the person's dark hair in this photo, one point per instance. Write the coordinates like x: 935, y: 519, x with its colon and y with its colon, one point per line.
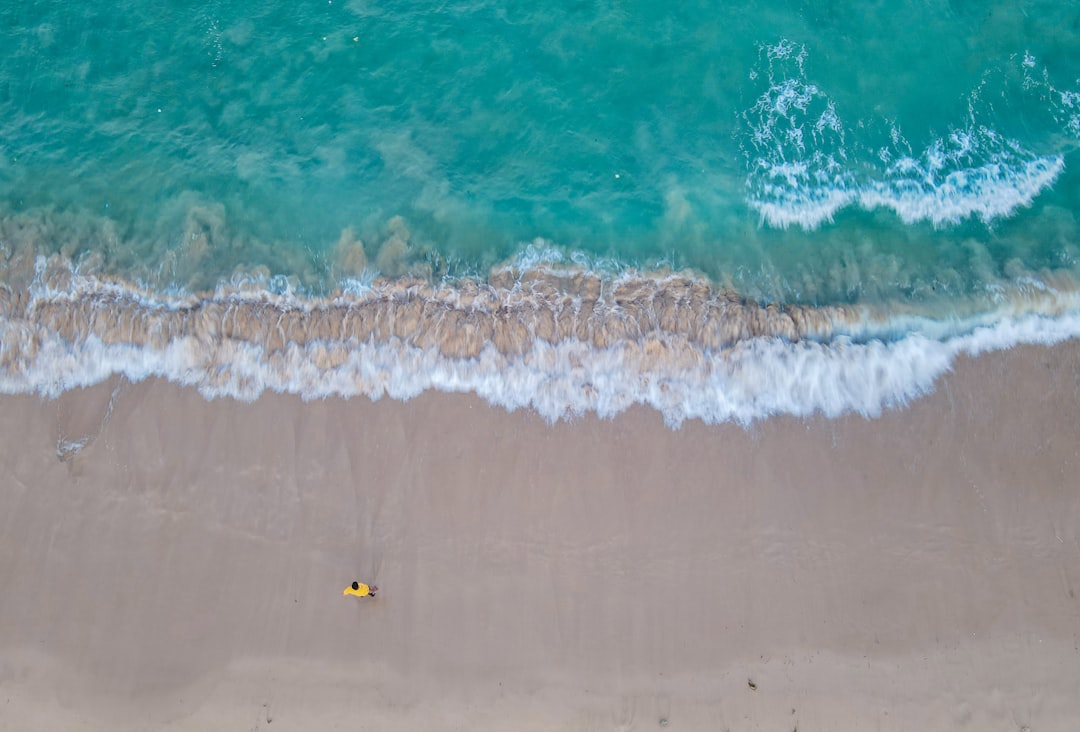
x: 356, y: 585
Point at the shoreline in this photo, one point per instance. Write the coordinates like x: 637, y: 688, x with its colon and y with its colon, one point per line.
x: 182, y: 569
x: 562, y: 343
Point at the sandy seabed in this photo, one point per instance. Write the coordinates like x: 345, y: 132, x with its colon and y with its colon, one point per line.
x: 172, y: 563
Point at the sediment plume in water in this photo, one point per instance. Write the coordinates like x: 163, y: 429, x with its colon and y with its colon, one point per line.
x: 562, y: 342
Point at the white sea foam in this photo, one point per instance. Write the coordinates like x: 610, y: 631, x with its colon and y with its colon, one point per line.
x: 994, y: 189
x: 753, y: 379
x: 759, y: 378
x: 801, y: 171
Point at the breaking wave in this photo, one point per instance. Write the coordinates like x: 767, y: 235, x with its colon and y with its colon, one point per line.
x: 802, y: 168
x: 560, y: 342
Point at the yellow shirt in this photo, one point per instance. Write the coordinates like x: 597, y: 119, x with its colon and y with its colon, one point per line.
x: 361, y: 590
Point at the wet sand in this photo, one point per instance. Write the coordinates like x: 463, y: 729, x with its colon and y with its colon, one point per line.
x: 183, y: 569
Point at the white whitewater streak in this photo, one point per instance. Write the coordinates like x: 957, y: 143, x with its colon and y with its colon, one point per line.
x: 992, y: 190
x: 1064, y: 104
x: 800, y: 170
x: 757, y: 378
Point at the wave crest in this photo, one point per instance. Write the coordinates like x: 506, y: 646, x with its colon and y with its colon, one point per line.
x: 562, y: 342
x: 802, y: 171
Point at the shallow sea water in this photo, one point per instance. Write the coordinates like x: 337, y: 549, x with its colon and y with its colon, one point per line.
x: 724, y: 212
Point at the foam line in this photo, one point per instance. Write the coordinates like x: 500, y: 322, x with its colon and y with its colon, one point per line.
x: 560, y: 343
x: 803, y: 169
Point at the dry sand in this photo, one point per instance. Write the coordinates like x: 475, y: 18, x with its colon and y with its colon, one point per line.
x: 184, y: 569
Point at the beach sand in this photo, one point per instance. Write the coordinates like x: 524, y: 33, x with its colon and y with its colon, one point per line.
x: 183, y: 569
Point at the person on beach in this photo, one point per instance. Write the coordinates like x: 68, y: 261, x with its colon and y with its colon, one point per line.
x: 361, y: 590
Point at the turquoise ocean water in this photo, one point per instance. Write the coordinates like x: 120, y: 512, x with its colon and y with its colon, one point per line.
x: 721, y: 210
